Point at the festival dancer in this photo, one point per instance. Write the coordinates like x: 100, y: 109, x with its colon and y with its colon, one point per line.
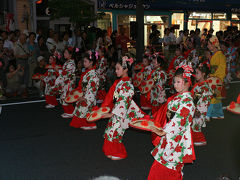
x: 88, y: 85
x: 175, y: 147
x: 123, y: 110
x: 202, y: 96
x: 157, y: 95
x: 101, y: 71
x: 49, y: 79
x: 65, y: 82
x: 218, y: 69
x: 146, y: 70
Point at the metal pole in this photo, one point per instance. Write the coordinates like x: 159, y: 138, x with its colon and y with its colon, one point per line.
x: 140, y: 31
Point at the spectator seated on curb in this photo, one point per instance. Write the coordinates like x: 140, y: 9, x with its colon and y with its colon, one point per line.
x: 40, y: 69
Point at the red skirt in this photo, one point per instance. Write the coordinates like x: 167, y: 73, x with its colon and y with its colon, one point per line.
x: 101, y: 94
x: 198, y: 137
x: 114, y: 149
x: 145, y: 102
x: 80, y: 122
x: 68, y: 109
x: 51, y: 100
x: 161, y: 172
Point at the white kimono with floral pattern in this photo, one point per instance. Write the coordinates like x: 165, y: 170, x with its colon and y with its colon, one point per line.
x: 65, y: 81
x: 158, y: 95
x: 202, y: 99
x: 101, y: 71
x: 229, y: 61
x: 90, y: 84
x: 193, y: 57
x: 49, y: 80
x: 147, y: 71
x: 175, y: 148
x: 124, y: 110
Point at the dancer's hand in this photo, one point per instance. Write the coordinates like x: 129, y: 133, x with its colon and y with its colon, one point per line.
x: 159, y: 132
x: 107, y: 115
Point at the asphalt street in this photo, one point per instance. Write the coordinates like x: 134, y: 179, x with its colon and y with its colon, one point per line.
x: 37, y: 144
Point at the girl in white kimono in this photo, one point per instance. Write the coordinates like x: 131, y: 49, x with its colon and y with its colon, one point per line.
x: 88, y: 85
x: 202, y: 98
x: 49, y: 79
x: 175, y: 147
x: 101, y: 72
x: 123, y: 110
x: 157, y: 94
x: 65, y: 82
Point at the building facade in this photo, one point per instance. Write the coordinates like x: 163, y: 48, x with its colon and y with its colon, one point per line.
x: 184, y: 14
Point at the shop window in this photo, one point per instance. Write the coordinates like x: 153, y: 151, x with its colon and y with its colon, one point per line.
x: 219, y: 15
x: 162, y: 22
x: 200, y: 15
x: 192, y: 25
x: 235, y: 16
x: 178, y: 21
x: 124, y: 23
x: 105, y: 22
x: 220, y: 25
x: 203, y: 25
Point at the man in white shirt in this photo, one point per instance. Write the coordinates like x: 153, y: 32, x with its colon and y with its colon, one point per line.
x: 7, y: 43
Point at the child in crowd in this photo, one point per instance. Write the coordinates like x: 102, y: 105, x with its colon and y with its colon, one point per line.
x: 40, y: 69
x: 14, y: 87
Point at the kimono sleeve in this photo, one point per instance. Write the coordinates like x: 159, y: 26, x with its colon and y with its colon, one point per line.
x: 123, y: 100
x: 91, y: 89
x: 181, y: 120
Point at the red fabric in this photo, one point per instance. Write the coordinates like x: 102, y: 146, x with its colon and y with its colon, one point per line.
x: 108, y: 101
x: 160, y: 119
x: 187, y: 53
x: 171, y: 65
x: 161, y: 172
x: 145, y: 101
x: 80, y: 122
x: 101, y: 94
x: 68, y: 109
x: 198, y: 137
x: 51, y: 100
x: 122, y: 40
x: 114, y: 149
x: 224, y: 92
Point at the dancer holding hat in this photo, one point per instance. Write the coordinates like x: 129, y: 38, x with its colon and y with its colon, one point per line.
x: 65, y: 82
x: 88, y: 85
x: 123, y: 110
x: 175, y: 147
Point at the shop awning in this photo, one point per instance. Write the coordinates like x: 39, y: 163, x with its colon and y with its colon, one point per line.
x: 184, y: 5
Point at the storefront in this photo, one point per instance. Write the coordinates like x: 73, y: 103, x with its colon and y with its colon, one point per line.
x: 180, y: 16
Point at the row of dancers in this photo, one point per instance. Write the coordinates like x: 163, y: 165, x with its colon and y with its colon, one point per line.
x: 180, y: 116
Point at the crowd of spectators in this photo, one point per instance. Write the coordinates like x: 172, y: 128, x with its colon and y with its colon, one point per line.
x: 23, y: 54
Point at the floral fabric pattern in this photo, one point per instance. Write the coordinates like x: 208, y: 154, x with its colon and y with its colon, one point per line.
x: 65, y: 81
x: 175, y: 148
x: 90, y: 85
x: 124, y: 110
x: 158, y: 95
x: 202, y: 98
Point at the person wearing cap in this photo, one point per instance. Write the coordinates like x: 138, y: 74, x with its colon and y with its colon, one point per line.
x: 40, y: 69
x: 218, y: 69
